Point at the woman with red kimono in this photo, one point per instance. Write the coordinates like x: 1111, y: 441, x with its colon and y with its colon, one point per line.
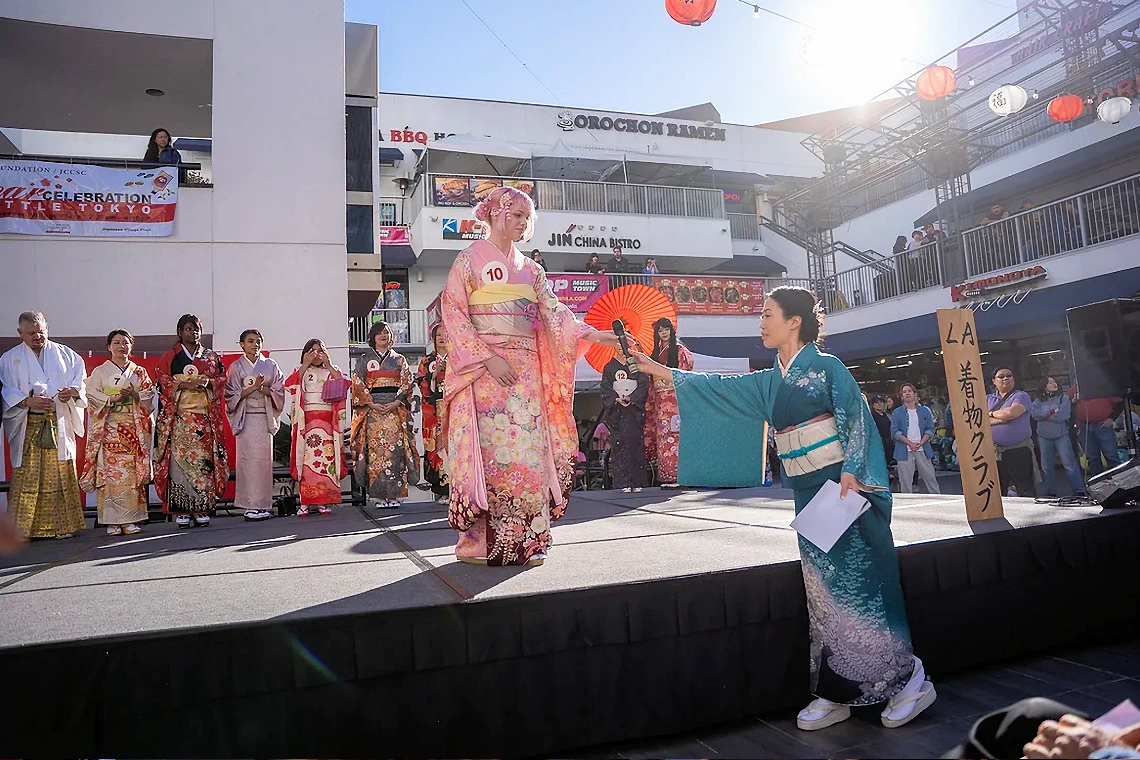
x: 319, y: 393
x: 430, y: 378
x: 662, y: 420
x: 509, y: 422
x: 191, y: 464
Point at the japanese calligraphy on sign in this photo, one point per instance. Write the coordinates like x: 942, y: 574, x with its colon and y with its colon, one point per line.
x: 977, y: 461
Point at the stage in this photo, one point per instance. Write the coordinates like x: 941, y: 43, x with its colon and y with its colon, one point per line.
x: 359, y: 634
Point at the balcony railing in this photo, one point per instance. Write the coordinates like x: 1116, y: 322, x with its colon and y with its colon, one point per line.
x: 409, y: 326
x: 744, y: 226
x: 595, y: 197
x: 1094, y: 216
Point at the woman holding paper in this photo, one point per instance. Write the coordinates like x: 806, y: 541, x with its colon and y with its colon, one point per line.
x: 860, y: 641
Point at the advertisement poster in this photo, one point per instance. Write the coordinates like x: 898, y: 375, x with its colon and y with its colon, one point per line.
x: 579, y: 291
x: 47, y: 198
x: 467, y: 191
x: 713, y: 295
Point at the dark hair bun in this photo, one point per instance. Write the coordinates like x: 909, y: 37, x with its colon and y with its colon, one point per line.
x: 802, y: 303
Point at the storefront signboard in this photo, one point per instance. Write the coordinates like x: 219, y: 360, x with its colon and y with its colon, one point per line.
x: 465, y: 192
x: 579, y: 291
x: 977, y: 460
x: 984, y: 286
x: 712, y: 295
x: 393, y: 236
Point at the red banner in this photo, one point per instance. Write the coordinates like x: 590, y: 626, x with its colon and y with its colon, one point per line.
x: 579, y: 291
x: 712, y: 295
x: 393, y: 236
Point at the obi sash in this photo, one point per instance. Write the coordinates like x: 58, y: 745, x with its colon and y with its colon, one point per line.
x: 810, y: 447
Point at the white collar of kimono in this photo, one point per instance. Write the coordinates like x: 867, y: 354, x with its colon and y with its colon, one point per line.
x: 780, y: 364
x: 189, y: 355
x: 254, y: 362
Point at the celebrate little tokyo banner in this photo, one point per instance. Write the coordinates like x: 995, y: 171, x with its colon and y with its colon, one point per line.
x: 44, y: 198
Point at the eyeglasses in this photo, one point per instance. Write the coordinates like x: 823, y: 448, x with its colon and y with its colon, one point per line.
x: 1003, y: 377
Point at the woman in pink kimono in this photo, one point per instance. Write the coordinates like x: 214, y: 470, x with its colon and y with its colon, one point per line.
x: 508, y: 421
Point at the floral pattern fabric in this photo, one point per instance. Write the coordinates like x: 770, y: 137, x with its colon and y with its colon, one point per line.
x: 663, y: 420
x: 316, y: 457
x: 510, y: 451
x: 191, y: 463
x: 860, y: 640
x: 117, y: 465
x: 380, y: 441
x: 430, y: 377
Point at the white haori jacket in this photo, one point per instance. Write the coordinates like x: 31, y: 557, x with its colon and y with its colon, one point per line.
x: 21, y: 373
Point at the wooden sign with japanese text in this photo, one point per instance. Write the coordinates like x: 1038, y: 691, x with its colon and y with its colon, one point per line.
x: 977, y: 460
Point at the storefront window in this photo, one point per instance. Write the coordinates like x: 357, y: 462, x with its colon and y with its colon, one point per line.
x: 358, y: 148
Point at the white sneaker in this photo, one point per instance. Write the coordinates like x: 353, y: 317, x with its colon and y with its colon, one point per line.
x: 637, y: 490
x: 627, y: 490
x: 252, y: 514
x: 132, y: 529
x: 916, y: 696
x: 264, y: 514
x: 821, y: 713
x: 670, y: 485
x: 202, y: 521
x: 182, y: 521
x: 114, y: 530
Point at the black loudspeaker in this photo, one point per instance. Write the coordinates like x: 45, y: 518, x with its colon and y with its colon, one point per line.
x: 1105, y: 339
x: 1118, y: 487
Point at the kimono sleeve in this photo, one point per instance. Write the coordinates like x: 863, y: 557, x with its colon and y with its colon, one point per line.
x: 276, y: 385
x: 467, y: 348
x: 556, y: 316
x: 857, y: 429
x: 722, y: 429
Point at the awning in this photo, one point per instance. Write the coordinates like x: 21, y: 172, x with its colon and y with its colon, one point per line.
x: 474, y: 155
x: 391, y: 156
x: 1117, y: 155
x: 1041, y: 313
x: 755, y: 266
x: 361, y: 302
x: 194, y: 145
x: 397, y: 256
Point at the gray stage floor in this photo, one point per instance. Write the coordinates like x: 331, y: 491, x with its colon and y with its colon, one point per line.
x: 353, y: 561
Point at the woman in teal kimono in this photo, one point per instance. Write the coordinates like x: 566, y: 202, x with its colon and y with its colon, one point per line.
x: 860, y: 641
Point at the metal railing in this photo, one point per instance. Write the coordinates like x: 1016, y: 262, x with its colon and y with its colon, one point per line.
x: 1095, y: 216
x: 896, y: 275
x: 611, y: 198
x: 744, y: 226
x: 410, y: 326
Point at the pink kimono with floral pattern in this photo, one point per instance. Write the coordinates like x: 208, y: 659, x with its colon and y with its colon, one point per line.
x: 510, y: 450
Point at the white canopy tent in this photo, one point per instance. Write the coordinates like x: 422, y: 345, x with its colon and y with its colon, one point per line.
x: 586, y: 378
x: 473, y: 154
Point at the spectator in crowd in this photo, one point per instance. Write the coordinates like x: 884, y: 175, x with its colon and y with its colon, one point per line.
x: 1013, y: 436
x: 916, y: 240
x: 912, y: 427
x: 931, y: 234
x: 1094, y: 418
x: 1067, y: 226
x: 44, y: 399
x: 1054, y: 413
x: 593, y: 265
x: 536, y: 257
x: 998, y: 211
x: 900, y: 245
x: 650, y: 266
x: 160, y: 149
x: 619, y: 264
x: 883, y: 423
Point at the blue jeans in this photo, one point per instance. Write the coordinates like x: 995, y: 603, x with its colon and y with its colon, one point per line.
x: 1050, y: 448
x: 1097, y: 440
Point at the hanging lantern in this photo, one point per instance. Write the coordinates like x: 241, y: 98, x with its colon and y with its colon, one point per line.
x: 1065, y: 108
x: 936, y: 82
x: 690, y: 12
x: 1008, y: 99
x: 1114, y: 109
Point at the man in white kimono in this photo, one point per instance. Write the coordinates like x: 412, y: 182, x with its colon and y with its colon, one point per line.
x: 44, y: 398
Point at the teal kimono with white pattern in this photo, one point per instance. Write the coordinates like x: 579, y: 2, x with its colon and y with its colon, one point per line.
x: 860, y: 641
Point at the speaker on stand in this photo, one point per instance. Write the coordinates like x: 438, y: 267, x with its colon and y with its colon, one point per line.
x: 1105, y: 339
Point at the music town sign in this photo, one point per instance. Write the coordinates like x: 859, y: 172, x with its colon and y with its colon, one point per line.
x: 568, y: 122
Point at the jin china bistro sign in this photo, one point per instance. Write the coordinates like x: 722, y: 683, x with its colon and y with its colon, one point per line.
x: 592, y: 236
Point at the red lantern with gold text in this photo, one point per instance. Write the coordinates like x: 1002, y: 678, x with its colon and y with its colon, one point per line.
x: 690, y: 12
x: 936, y: 82
x: 1065, y: 108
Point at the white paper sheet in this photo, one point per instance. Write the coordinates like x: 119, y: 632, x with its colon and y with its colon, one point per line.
x: 1122, y: 716
x: 826, y: 517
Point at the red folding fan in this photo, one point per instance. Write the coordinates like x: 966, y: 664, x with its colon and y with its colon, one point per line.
x: 638, y: 307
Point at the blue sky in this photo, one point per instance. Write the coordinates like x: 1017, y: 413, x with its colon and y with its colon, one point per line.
x: 628, y: 55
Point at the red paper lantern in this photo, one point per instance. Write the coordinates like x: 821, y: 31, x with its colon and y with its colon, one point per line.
x: 1065, y: 108
x: 690, y: 12
x: 936, y: 82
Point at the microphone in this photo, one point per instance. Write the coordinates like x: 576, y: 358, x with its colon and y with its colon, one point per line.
x: 619, y: 330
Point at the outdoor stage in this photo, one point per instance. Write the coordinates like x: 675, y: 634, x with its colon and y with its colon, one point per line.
x: 360, y: 635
